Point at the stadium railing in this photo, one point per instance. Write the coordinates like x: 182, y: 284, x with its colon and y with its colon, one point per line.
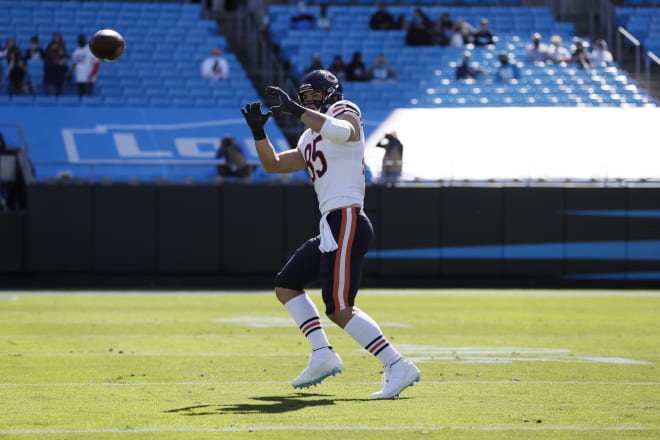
x: 650, y: 58
x: 622, y: 33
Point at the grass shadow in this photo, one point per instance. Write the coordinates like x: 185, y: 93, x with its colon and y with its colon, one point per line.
x: 264, y: 405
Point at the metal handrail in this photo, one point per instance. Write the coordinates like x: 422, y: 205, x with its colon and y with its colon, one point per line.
x: 650, y: 56
x: 635, y: 42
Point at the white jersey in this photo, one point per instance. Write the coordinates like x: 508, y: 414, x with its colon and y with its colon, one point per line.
x: 336, y: 170
x: 83, y: 64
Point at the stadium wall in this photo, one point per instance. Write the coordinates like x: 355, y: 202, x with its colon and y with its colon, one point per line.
x: 496, y: 236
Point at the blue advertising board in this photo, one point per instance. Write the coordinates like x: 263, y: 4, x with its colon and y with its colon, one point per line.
x: 130, y: 142
x: 146, y: 143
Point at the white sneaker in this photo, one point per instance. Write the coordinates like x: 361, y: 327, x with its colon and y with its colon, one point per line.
x: 396, y: 378
x: 322, y: 363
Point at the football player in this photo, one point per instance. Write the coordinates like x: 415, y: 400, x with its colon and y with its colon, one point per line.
x: 331, y: 149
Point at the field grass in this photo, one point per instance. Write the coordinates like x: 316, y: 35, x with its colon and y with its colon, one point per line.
x: 495, y: 364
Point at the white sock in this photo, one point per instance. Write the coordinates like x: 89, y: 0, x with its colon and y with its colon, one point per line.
x: 367, y: 333
x: 306, y: 316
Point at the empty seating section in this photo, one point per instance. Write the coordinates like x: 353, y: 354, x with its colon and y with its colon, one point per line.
x: 643, y: 23
x: 165, y: 45
x: 426, y: 74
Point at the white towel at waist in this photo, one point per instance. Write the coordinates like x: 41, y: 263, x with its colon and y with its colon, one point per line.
x: 328, y: 242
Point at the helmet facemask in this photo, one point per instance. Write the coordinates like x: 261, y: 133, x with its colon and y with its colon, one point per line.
x: 324, y: 81
x: 330, y: 96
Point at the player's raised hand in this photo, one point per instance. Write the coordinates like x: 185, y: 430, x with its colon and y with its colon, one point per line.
x: 287, y: 105
x: 256, y: 119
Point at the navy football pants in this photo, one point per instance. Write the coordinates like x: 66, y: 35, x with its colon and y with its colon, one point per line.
x: 340, y: 271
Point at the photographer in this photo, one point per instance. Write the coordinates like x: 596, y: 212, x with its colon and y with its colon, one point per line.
x: 393, y: 158
x: 236, y: 165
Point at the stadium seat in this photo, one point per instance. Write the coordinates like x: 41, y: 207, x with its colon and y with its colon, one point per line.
x: 163, y: 39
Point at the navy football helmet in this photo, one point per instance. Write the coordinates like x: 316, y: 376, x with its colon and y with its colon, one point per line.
x: 324, y: 81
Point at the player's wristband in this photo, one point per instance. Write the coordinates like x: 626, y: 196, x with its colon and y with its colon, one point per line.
x: 259, y: 134
x: 298, y: 110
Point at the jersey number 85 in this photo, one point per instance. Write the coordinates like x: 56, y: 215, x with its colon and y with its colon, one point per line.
x: 316, y: 163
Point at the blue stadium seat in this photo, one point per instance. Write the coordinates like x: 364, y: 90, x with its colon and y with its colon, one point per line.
x: 162, y: 39
x: 45, y: 100
x: 67, y: 100
x: 92, y: 101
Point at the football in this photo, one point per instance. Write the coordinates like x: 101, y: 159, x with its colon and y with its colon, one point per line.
x: 107, y: 45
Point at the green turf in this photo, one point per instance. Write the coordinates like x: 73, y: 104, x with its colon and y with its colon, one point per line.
x: 495, y: 364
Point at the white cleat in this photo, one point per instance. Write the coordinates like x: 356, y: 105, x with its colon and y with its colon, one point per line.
x: 396, y: 378
x: 322, y: 363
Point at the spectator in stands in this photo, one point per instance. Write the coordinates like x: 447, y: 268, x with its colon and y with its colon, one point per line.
x: 507, y: 72
x: 443, y: 28
x: 483, y: 36
x: 9, y: 46
x: 236, y: 164
x: 316, y: 64
x: 468, y: 70
x: 356, y: 70
x: 462, y: 33
x: 419, y: 29
x: 302, y: 19
x: 3, y: 58
x: 215, y: 67
x: 338, y: 67
x: 580, y: 56
x: 85, y: 66
x: 382, y: 20
x: 57, y: 39
x: 600, y: 55
x: 557, y: 53
x: 34, y: 52
x: 536, y: 51
x: 12, y: 51
x: 19, y: 79
x: 381, y: 70
x: 392, y: 164
x: 323, y: 22
x: 56, y: 66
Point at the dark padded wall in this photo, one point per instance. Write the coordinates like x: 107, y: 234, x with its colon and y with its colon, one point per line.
x: 453, y: 234
x: 11, y: 239
x: 472, y: 217
x: 252, y: 229
x: 371, y: 266
x: 595, y: 242
x: 59, y: 228
x: 300, y: 217
x: 643, y: 231
x: 189, y: 229
x: 125, y: 229
x: 410, y: 218
x: 533, y: 227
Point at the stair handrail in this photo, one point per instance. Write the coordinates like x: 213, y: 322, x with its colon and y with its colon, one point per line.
x: 635, y: 42
x: 650, y: 57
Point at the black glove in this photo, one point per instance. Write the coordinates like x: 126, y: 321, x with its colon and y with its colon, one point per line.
x: 256, y: 120
x: 287, y: 105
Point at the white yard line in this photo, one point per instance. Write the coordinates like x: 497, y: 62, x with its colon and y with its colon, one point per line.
x: 239, y: 383
x: 327, y: 428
